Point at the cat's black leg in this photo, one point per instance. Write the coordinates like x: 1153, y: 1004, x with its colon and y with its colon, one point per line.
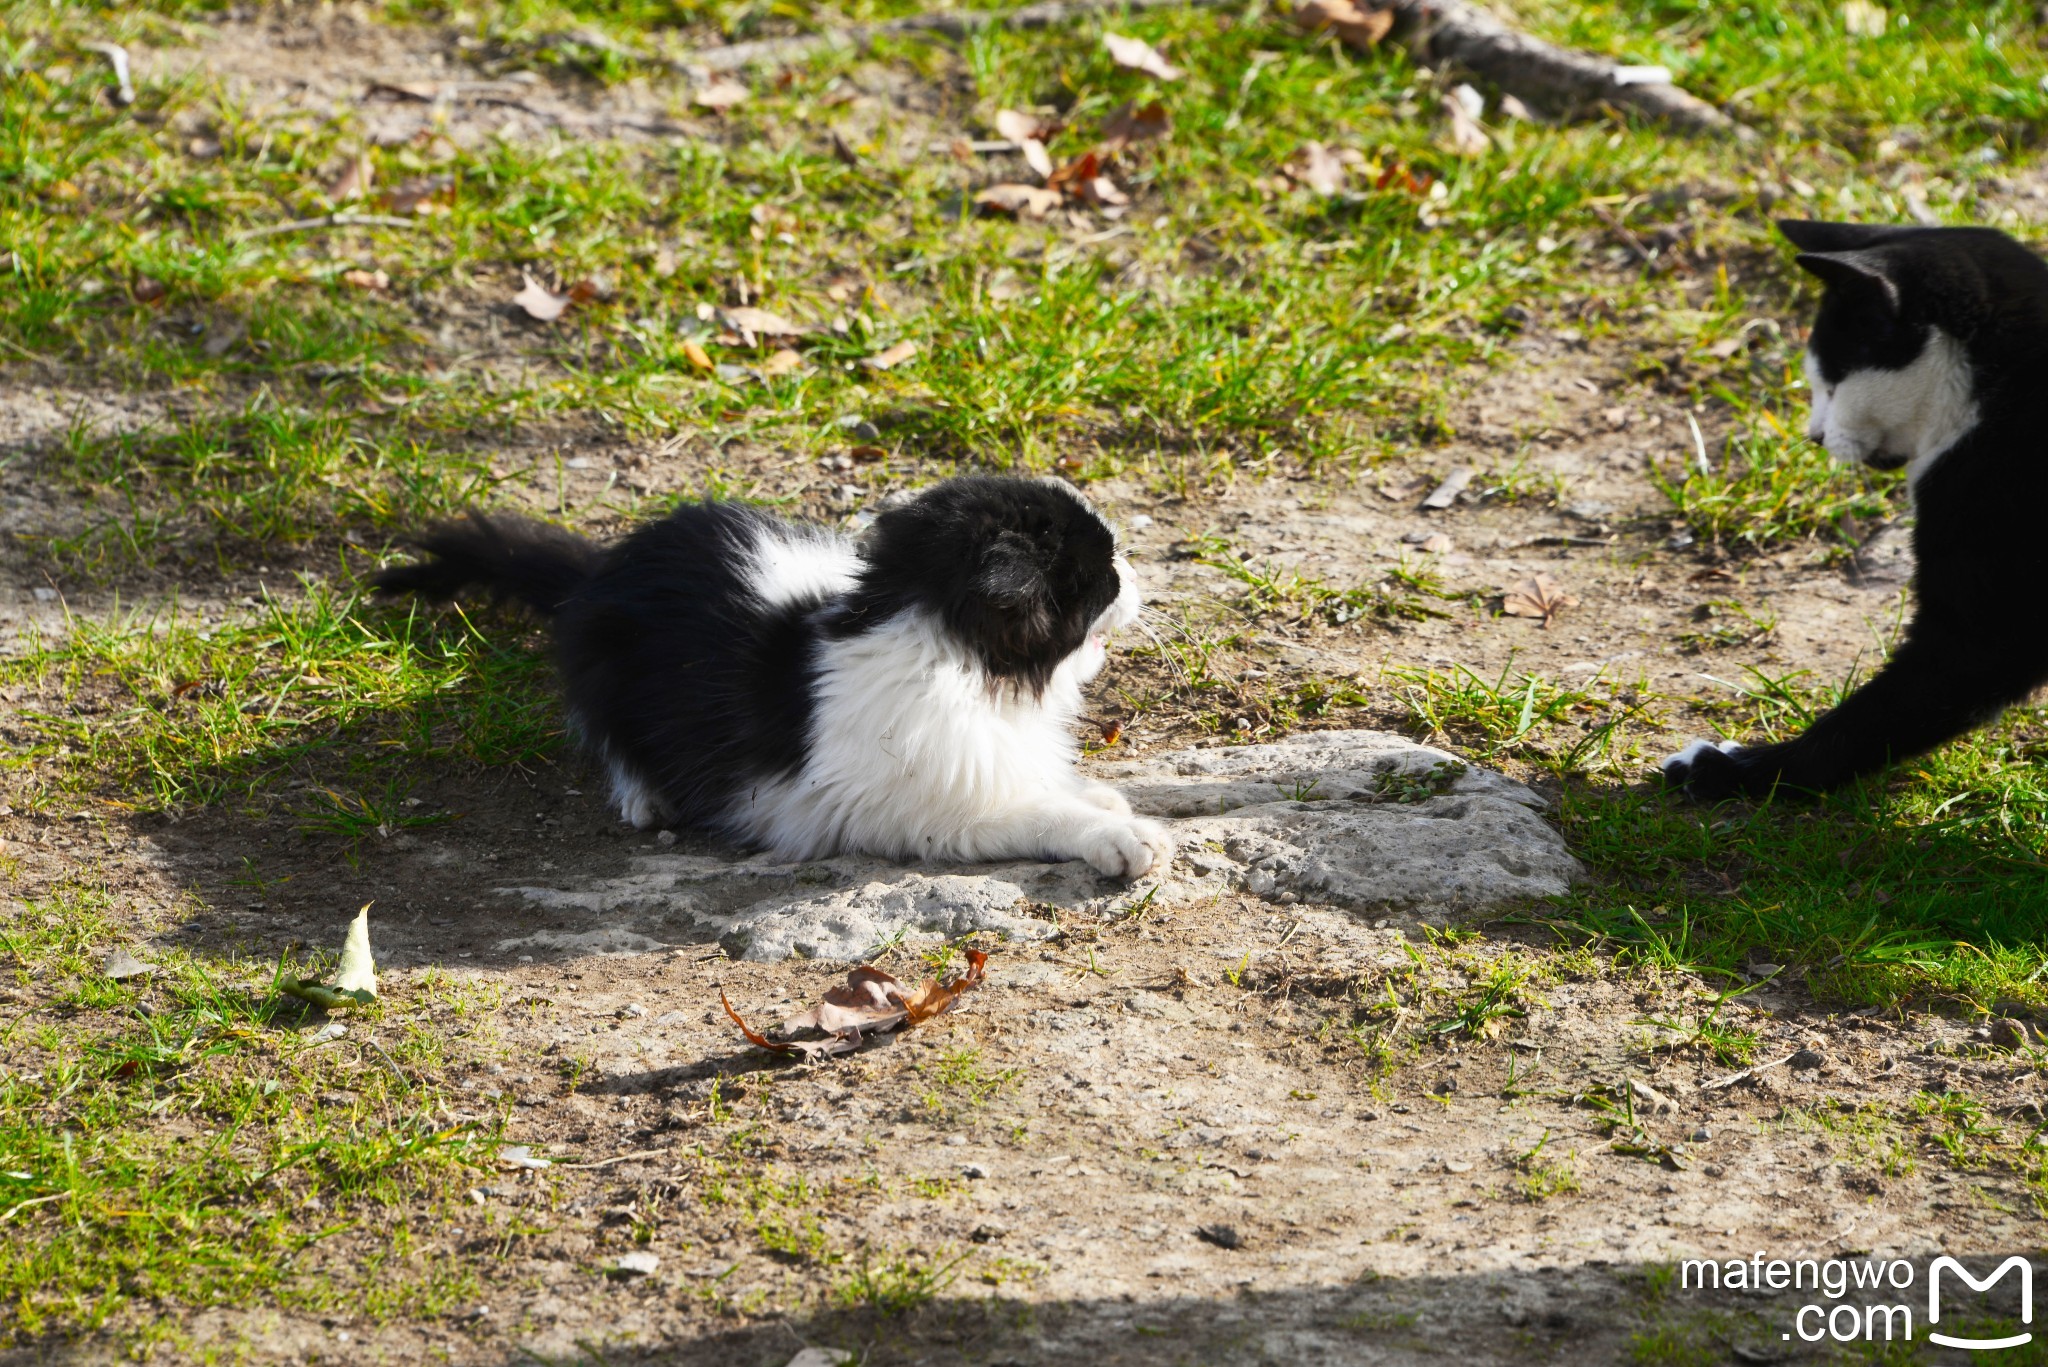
x: 1932, y: 690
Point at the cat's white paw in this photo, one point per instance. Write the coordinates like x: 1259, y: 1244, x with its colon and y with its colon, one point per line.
x: 1678, y: 765
x: 1103, y: 796
x: 1127, y: 849
x: 639, y: 804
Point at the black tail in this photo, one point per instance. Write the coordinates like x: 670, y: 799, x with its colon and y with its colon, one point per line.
x: 513, y: 557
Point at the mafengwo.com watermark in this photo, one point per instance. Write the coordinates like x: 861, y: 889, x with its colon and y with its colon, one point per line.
x: 1876, y: 1300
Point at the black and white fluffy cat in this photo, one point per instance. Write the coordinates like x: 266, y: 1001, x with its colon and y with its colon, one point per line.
x: 1930, y: 351
x: 910, y: 694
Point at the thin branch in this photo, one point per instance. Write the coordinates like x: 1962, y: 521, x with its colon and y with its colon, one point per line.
x: 341, y: 220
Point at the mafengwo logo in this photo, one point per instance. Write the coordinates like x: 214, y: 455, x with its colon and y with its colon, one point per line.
x: 1862, y: 1292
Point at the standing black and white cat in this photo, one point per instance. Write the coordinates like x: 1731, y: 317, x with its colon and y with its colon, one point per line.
x: 1930, y: 351
x: 911, y: 694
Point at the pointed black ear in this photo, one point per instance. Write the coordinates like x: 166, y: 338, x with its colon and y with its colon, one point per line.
x: 1811, y: 236
x: 1012, y: 575
x: 1865, y: 273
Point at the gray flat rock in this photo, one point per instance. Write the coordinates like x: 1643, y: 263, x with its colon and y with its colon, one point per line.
x: 1359, y: 820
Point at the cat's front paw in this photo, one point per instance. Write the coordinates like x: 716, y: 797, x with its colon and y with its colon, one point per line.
x: 1103, y: 796
x: 1707, y: 770
x: 1128, y: 849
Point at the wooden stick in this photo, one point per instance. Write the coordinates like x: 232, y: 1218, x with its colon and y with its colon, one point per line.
x: 342, y: 220
x: 1456, y: 32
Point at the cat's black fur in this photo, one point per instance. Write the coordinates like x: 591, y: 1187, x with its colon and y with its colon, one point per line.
x: 692, y: 668
x: 1976, y: 643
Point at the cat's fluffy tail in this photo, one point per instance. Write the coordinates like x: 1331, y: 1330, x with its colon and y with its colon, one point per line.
x: 512, y: 557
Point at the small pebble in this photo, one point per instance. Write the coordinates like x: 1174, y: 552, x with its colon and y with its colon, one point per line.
x: 1808, y: 1058
x: 1702, y: 1135
x: 2005, y: 1033
x: 1223, y: 1236
x: 957, y: 1140
x: 632, y: 1011
x: 635, y: 1265
x: 665, y: 838
x: 973, y: 1171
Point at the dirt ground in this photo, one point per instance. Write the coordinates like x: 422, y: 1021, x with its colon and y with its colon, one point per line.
x: 1179, y: 1159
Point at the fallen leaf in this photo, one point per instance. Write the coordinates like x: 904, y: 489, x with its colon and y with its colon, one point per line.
x: 720, y: 96
x: 697, y: 356
x: 781, y: 363
x: 540, y: 303
x: 1135, y: 54
x: 1036, y: 157
x: 753, y: 322
x: 121, y: 963
x: 1077, y: 172
x: 1024, y: 201
x: 1101, y: 191
x: 891, y: 358
x: 1466, y: 138
x: 355, y: 977
x: 1398, y: 176
x: 1131, y: 124
x: 1541, y: 597
x: 870, y: 1002
x: 1316, y: 167
x: 1021, y: 127
x: 366, y: 280
x: 352, y: 183
x: 1865, y: 20
x: 1362, y: 29
x: 418, y: 196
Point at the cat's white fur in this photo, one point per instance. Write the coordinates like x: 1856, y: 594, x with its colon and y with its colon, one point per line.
x: 1917, y: 412
x: 914, y: 755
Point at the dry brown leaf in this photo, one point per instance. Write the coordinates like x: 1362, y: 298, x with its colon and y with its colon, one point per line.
x: 697, y: 356
x: 352, y: 183
x: 420, y: 195
x: 1021, y: 127
x: 891, y: 358
x: 1357, y: 28
x: 781, y: 363
x: 870, y: 1002
x: 1074, y: 174
x: 935, y: 999
x: 1316, y: 167
x: 1133, y: 124
x: 366, y: 280
x: 1036, y: 157
x: 720, y: 96
x: 1101, y: 191
x: 1465, y: 137
x: 1541, y: 597
x: 1136, y: 54
x: 753, y: 322
x: 540, y: 303
x: 1025, y: 201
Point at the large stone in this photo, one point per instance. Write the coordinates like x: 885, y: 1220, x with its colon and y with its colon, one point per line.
x: 1354, y: 819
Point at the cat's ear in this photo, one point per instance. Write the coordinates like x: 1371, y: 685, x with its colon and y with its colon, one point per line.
x: 1863, y: 273
x: 1012, y: 578
x: 1811, y: 236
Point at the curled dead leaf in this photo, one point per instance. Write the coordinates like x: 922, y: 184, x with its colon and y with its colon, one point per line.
x: 1131, y: 124
x: 697, y: 356
x: 752, y: 322
x: 540, y: 303
x: 1075, y: 173
x: 1464, y: 136
x: 1316, y: 168
x: 366, y: 280
x: 1541, y: 597
x: 890, y: 358
x: 1102, y: 192
x: 720, y: 96
x: 781, y: 363
x: 1023, y: 201
x: 870, y: 1002
x: 1358, y: 28
x: 1036, y: 157
x: 1021, y: 127
x: 1135, y: 54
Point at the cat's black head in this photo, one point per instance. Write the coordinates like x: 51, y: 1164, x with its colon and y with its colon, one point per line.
x: 1891, y: 359
x: 1020, y: 571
